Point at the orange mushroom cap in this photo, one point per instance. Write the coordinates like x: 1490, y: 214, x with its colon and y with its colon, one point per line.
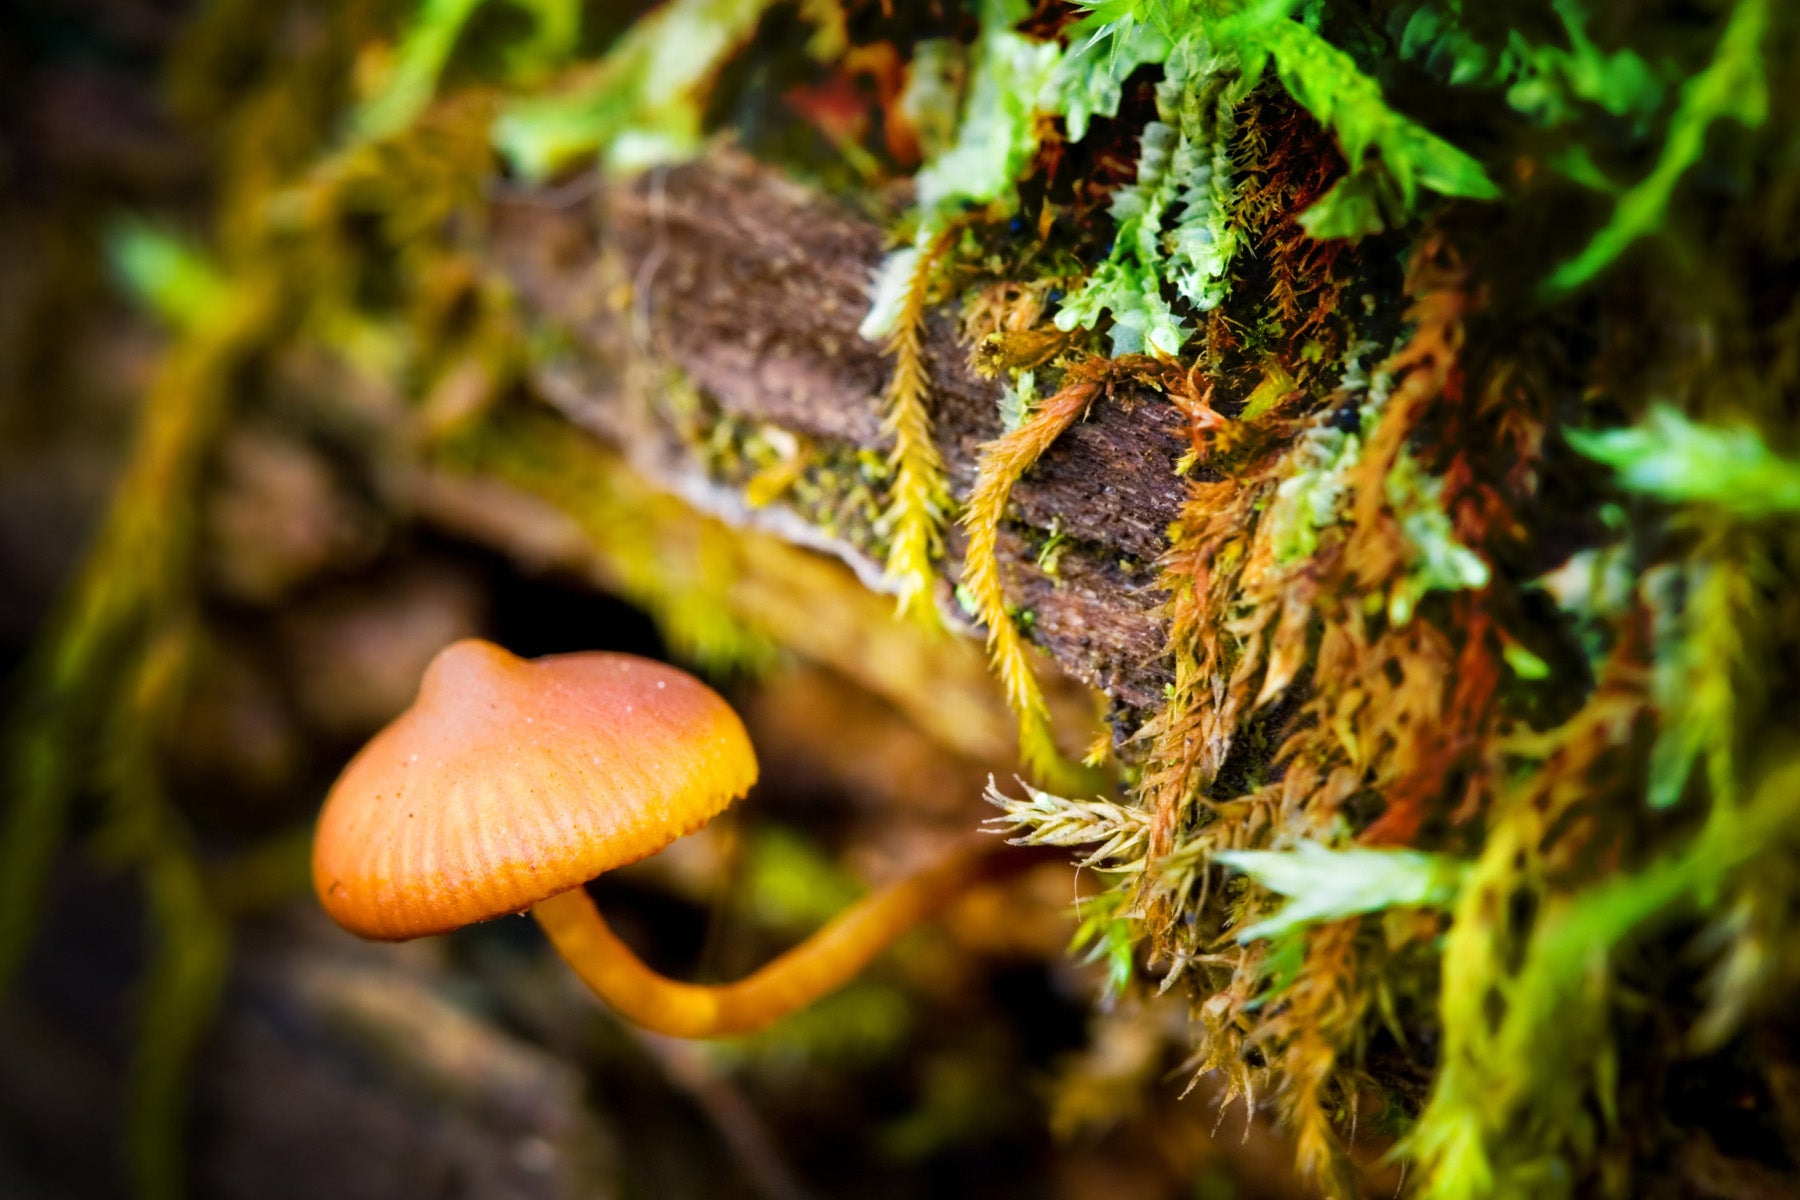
x: 511, y: 780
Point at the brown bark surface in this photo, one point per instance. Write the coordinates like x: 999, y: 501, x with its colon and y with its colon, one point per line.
x: 753, y: 287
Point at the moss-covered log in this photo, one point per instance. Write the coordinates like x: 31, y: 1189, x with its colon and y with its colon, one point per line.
x: 752, y: 287
x: 1393, y: 413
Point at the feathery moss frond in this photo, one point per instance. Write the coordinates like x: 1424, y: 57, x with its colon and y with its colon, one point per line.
x: 1114, y: 836
x: 1004, y: 462
x: 1185, y: 177
x: 919, y: 496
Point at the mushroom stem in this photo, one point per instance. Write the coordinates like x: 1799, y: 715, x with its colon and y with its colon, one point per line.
x: 822, y: 963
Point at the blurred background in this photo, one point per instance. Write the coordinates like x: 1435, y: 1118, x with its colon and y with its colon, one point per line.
x: 268, y: 574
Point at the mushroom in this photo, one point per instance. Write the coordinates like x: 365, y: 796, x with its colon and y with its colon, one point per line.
x: 510, y: 783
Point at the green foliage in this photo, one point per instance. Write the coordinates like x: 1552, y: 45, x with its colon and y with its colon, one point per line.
x: 1511, y: 1095
x: 1185, y: 170
x: 789, y: 884
x: 1324, y: 79
x: 1089, y: 81
x: 1546, y: 82
x: 1108, y: 933
x: 1681, y: 461
x: 555, y: 34
x: 1702, y: 611
x: 1732, y: 87
x: 1143, y: 320
x: 1327, y: 83
x: 407, y: 81
x: 166, y: 274
x: 1546, y: 79
x: 642, y: 103
x: 1326, y: 884
x: 997, y: 134
x: 412, y: 78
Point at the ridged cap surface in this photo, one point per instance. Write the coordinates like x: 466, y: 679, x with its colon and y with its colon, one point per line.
x: 510, y: 780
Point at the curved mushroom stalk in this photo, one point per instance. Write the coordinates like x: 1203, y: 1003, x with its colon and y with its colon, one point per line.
x: 510, y: 783
x: 821, y: 964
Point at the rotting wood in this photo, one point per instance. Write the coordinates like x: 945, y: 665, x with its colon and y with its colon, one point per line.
x: 753, y: 287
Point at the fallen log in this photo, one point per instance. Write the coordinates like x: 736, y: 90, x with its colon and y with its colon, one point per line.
x: 750, y: 288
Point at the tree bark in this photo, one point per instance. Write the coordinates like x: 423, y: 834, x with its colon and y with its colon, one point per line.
x: 752, y: 287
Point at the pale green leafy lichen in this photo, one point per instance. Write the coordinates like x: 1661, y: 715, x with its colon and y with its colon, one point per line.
x: 1440, y: 562
x: 995, y: 138
x: 1172, y: 225
x: 1018, y: 399
x: 997, y: 134
x: 1090, y: 79
x: 1308, y: 500
x: 1325, y: 884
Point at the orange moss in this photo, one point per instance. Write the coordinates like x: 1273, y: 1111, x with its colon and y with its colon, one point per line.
x: 1391, y: 735
x: 1004, y: 462
x: 1288, y: 162
x: 1321, y: 1018
x: 919, y: 497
